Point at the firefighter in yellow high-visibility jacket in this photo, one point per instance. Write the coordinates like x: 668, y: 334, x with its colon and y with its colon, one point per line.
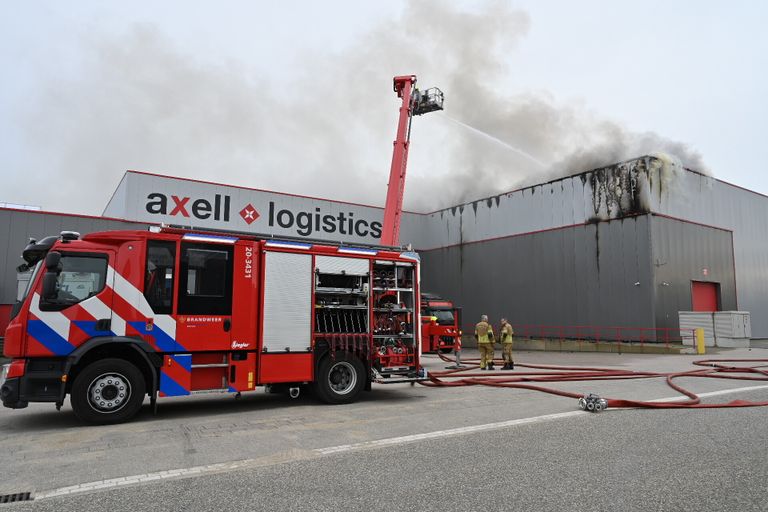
x: 507, y: 341
x: 485, y: 341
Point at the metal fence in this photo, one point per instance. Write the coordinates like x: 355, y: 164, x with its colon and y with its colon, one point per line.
x: 601, y: 333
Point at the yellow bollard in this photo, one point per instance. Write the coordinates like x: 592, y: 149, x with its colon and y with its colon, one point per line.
x: 700, y: 348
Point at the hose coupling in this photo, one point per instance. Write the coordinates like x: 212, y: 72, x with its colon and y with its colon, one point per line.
x: 592, y: 403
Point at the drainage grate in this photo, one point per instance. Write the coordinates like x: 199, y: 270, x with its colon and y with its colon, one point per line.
x: 13, y: 498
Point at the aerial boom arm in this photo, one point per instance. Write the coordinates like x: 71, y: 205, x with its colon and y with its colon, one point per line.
x: 393, y: 208
x: 414, y: 104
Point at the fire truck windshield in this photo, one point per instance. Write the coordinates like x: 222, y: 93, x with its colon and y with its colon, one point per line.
x: 31, y: 281
x: 444, y: 316
x: 80, y: 277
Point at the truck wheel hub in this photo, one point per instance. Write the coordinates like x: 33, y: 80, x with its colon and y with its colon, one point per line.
x: 109, y: 392
x: 342, y: 378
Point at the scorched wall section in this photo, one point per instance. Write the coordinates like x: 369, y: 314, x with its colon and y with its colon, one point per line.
x: 613, y: 192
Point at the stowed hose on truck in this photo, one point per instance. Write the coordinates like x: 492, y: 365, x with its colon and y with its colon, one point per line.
x: 710, y: 368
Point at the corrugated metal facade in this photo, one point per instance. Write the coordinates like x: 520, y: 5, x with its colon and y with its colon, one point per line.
x: 685, y: 252
x: 578, y: 275
x: 582, y: 243
x: 694, y: 197
x: 591, y: 249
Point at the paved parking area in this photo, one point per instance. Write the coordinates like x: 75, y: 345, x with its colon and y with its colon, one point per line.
x: 45, y: 451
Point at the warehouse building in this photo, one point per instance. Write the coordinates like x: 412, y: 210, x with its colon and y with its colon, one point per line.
x: 614, y: 252
x: 609, y: 250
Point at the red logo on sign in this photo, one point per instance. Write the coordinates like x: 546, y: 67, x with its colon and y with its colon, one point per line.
x: 181, y: 206
x: 249, y: 214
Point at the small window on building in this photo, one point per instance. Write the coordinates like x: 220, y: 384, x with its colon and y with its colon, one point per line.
x: 158, y: 278
x: 205, y: 286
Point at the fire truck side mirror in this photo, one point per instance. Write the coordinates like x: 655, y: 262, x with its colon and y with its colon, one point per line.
x: 50, y: 292
x: 50, y: 278
x: 52, y: 261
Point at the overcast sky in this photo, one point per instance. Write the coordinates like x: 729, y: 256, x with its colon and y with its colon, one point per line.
x: 296, y: 96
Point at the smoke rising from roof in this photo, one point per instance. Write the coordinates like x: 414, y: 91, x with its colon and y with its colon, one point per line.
x: 143, y: 104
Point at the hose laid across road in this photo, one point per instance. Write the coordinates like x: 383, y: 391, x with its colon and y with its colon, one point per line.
x: 755, y: 370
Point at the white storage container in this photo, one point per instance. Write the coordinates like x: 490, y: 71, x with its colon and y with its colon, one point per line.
x: 732, y: 328
x: 690, y: 320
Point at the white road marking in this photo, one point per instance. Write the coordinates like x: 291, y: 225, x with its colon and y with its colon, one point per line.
x: 147, y: 477
x: 501, y: 424
x: 379, y: 443
x: 711, y: 393
x: 445, y: 433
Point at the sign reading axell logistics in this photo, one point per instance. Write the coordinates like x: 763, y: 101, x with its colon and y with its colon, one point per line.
x: 175, y: 201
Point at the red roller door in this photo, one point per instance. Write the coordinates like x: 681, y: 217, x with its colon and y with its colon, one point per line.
x: 704, y: 296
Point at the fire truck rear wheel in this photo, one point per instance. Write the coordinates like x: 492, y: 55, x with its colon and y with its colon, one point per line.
x: 446, y: 350
x: 339, y: 380
x: 108, y: 391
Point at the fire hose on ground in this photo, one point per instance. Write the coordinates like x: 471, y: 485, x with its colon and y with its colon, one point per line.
x: 734, y: 369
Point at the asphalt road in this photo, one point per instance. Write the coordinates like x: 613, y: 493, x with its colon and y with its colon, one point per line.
x: 547, y: 456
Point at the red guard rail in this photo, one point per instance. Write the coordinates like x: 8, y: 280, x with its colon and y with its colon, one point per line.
x: 602, y: 333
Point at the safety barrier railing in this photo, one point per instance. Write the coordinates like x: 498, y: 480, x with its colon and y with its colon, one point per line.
x: 602, y: 333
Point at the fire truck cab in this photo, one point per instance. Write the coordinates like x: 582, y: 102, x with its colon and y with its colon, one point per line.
x: 440, y: 321
x: 113, y: 317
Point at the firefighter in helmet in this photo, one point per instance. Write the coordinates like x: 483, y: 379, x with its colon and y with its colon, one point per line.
x: 506, y: 334
x: 485, y: 341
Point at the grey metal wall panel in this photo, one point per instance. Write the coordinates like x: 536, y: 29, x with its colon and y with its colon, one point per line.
x: 551, y: 277
x: 567, y: 302
x: 559, y: 273
x: 584, y: 268
x: 637, y: 264
x: 287, y: 302
x: 9, y: 254
x: 692, y: 196
x: 17, y: 240
x: 681, y: 252
x: 17, y: 227
x: 647, y: 184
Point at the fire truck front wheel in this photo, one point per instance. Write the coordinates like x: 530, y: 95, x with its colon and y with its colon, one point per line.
x: 339, y: 379
x: 108, y: 391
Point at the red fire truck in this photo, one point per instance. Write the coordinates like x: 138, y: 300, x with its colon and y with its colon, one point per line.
x: 112, y: 317
x: 440, y: 321
x: 109, y: 318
